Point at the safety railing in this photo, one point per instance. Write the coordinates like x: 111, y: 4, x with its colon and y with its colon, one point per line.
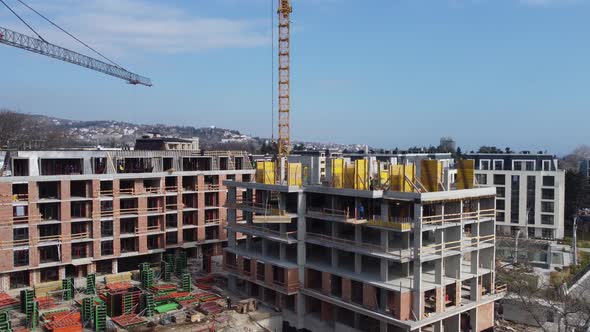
x: 396, y: 252
x: 155, y: 209
x: 436, y: 248
x: 23, y: 219
x: 171, y: 188
x: 211, y: 187
x: 127, y: 191
x: 153, y: 190
x: 398, y: 224
x: 501, y: 288
x: 285, y: 236
x: 457, y: 217
x: 128, y: 211
x: 260, y: 208
x: 14, y: 243
x: 20, y: 197
x: 476, y: 241
x: 106, y: 192
x: 148, y: 229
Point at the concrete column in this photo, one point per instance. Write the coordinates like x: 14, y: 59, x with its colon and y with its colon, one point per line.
x: 438, y: 326
x: 334, y: 253
x: 231, y: 216
x: 418, y: 298
x: 439, y: 263
x: 384, y: 211
x: 282, y: 251
x: 384, y: 240
x: 382, y: 326
x: 384, y: 270
x: 453, y: 324
x: 301, y: 230
x: 115, y: 266
x: 474, y: 289
x: 358, y: 263
x: 473, y: 318
x: 475, y: 253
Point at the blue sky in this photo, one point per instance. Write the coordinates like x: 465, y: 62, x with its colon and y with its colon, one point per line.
x: 389, y: 73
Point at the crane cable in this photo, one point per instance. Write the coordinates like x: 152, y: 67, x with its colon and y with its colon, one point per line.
x: 22, y: 20
x: 66, y: 32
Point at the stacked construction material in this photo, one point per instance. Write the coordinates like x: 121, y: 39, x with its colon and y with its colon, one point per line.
x: 185, y: 301
x: 7, y: 302
x: 186, y: 282
x: 162, y: 289
x: 41, y: 289
x: 46, y: 303
x: 116, y: 286
x: 64, y: 321
x: 210, y: 308
x: 5, y: 321
x: 181, y: 263
x: 129, y: 321
x: 166, y: 307
x: 148, y: 304
x: 122, y: 301
x: 100, y: 317
x: 67, y: 286
x: 166, y: 298
x: 119, y: 277
x: 91, y: 284
x: 208, y: 297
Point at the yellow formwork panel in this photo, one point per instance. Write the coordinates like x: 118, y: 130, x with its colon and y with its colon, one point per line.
x: 401, y: 177
x: 349, y: 176
x: 295, y: 171
x: 430, y: 174
x: 383, y: 177
x: 337, y: 171
x: 466, y: 174
x: 361, y: 175
x: 265, y: 172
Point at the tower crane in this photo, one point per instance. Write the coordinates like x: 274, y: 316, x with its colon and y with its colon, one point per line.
x: 284, y: 106
x: 41, y: 46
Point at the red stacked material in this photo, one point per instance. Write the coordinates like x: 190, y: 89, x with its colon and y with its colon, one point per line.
x: 129, y: 320
x: 204, y: 286
x: 210, y: 308
x: 117, y: 286
x: 184, y: 303
x: 66, y: 321
x: 171, y: 296
x: 208, y: 280
x: 6, y: 301
x: 162, y: 288
x: 46, y: 302
x: 208, y: 297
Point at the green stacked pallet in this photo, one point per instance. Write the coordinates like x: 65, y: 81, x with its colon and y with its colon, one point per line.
x: 67, y: 286
x: 127, y: 303
x: 91, y: 284
x: 149, y: 305
x: 186, y: 282
x: 87, y: 309
x: 5, y: 322
x: 100, y: 317
x: 33, y: 316
x: 170, y: 260
x: 167, y: 271
x: 181, y: 263
x: 147, y: 278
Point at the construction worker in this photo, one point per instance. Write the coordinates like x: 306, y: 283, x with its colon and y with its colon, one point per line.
x: 361, y: 211
x: 228, y: 300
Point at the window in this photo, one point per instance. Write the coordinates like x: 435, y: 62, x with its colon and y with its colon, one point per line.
x: 530, y: 198
x: 484, y: 165
x: 548, y: 181
x: 515, y: 200
x: 517, y: 165
x: 547, y: 193
x: 500, y: 216
x: 547, y: 207
x: 481, y: 178
x: 531, y: 232
x: 500, y: 204
x: 547, y: 233
x: 546, y: 165
x: 498, y: 165
x: 499, y: 179
x: 500, y: 192
x: 546, y: 219
x: 530, y: 165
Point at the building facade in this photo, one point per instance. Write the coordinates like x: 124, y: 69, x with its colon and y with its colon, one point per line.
x: 69, y: 213
x: 342, y: 256
x: 530, y: 192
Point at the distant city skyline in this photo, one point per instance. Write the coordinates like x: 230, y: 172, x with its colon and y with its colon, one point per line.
x: 509, y: 73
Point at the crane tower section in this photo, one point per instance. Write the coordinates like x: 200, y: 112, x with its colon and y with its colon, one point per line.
x: 284, y: 12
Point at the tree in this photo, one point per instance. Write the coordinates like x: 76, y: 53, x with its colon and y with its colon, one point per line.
x: 489, y: 149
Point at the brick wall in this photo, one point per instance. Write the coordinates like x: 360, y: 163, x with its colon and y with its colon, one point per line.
x: 66, y: 226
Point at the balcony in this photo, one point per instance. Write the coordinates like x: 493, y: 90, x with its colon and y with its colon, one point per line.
x: 288, y: 237
x: 392, y: 223
x: 361, y: 247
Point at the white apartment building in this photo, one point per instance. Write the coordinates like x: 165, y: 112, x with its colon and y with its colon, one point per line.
x: 530, y: 192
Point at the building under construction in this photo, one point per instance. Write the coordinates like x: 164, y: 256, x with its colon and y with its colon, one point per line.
x: 383, y: 243
x: 73, y: 213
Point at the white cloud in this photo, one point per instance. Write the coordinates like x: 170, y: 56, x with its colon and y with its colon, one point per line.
x: 123, y: 27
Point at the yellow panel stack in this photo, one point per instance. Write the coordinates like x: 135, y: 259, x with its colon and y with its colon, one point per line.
x: 465, y: 174
x: 349, y: 176
x: 361, y: 175
x: 399, y: 176
x: 41, y: 289
x: 431, y: 174
x: 383, y: 177
x: 337, y: 171
x: 295, y: 170
x: 265, y: 172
